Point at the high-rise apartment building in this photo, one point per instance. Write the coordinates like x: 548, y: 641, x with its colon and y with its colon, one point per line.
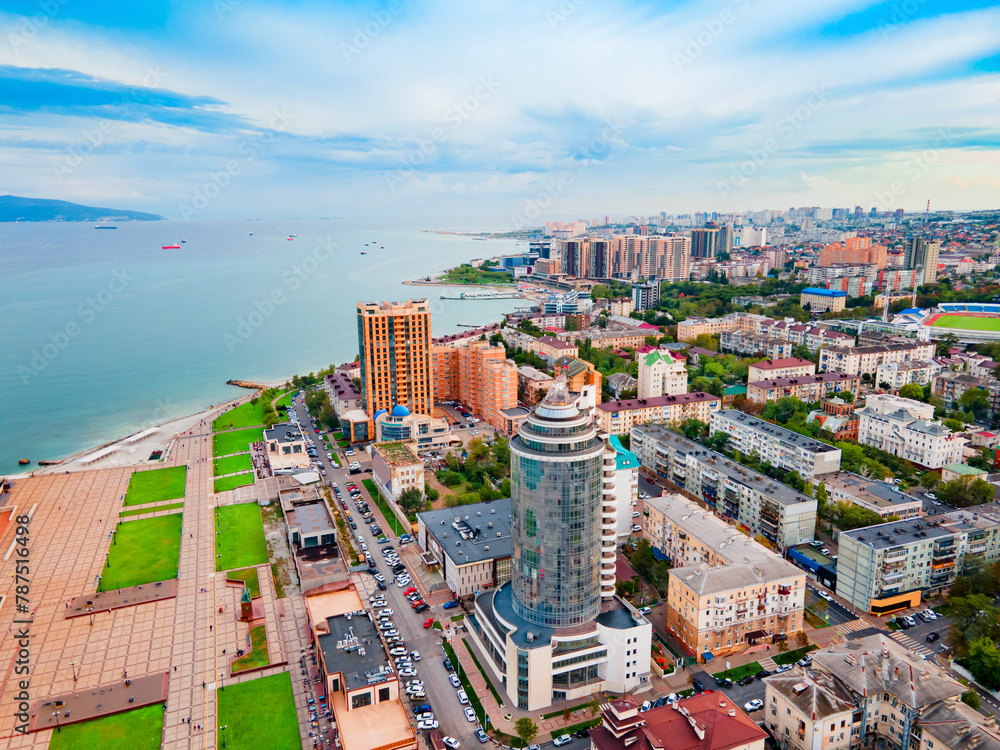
x: 705, y: 242
x: 645, y: 295
x: 557, y: 631
x: 662, y: 373
x: 477, y: 374
x: 669, y: 258
x: 922, y: 253
x: 394, y: 340
x: 854, y: 250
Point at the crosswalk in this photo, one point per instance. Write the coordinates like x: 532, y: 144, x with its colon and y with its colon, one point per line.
x: 904, y: 640
x: 852, y: 625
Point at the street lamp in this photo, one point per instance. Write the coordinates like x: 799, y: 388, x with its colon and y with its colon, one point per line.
x: 223, y: 728
x: 72, y: 665
x: 90, y: 612
x: 56, y: 714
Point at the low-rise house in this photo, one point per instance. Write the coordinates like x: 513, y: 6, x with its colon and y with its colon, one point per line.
x: 878, y: 497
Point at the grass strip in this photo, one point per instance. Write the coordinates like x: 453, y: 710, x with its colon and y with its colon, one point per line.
x: 239, y: 538
x: 738, y: 673
x: 390, y: 518
x: 156, y: 485
x: 139, y: 729
x: 249, y: 577
x: 477, y: 706
x: 257, y: 655
x: 231, y: 483
x: 790, y: 657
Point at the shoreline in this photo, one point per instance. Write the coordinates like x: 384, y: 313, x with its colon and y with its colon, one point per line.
x: 138, y: 453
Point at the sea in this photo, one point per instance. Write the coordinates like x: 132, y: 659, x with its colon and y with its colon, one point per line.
x: 103, y: 333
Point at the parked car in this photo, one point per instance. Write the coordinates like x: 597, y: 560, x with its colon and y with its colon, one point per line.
x: 451, y: 742
x: 470, y: 714
x: 745, y: 680
x: 697, y: 685
x: 824, y: 595
x: 481, y: 736
x: 455, y: 682
x: 563, y: 739
x: 755, y: 705
x: 449, y: 605
x: 462, y: 697
x: 428, y: 622
x: 931, y: 637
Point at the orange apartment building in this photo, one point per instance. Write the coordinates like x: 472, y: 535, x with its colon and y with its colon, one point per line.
x: 854, y: 251
x: 477, y: 374
x: 394, y: 340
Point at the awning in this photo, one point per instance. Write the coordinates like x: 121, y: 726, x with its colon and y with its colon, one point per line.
x: 657, y: 553
x: 756, y: 635
x: 707, y: 656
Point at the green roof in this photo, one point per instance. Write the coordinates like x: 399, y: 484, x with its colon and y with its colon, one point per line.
x: 624, y: 459
x: 736, y: 390
x: 652, y: 358
x: 964, y: 469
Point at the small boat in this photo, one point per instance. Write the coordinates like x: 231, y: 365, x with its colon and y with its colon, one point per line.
x: 104, y: 226
x: 23, y: 461
x: 364, y: 253
x: 183, y: 241
x: 289, y: 238
x: 251, y: 234
x: 175, y: 246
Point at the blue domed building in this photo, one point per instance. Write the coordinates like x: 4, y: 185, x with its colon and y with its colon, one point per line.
x: 427, y: 433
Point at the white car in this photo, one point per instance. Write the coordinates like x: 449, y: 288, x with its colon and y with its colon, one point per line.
x: 563, y: 739
x: 408, y: 672
x: 451, y: 742
x: 755, y: 705
x: 402, y: 583
x: 385, y: 612
x: 427, y: 724
x: 415, y: 655
x: 635, y: 514
x: 470, y: 714
x: 462, y: 697
x: 455, y: 682
x: 399, y: 651
x: 824, y: 595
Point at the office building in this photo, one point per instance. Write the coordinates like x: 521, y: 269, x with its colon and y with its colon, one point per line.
x: 903, y: 427
x: 735, y: 493
x: 865, y: 360
x: 618, y: 417
x: 394, y: 343
x: 469, y: 546
x: 557, y: 631
x: 286, y: 447
x: 645, y: 295
x: 777, y: 446
x: 806, y: 388
x: 823, y: 300
x: 424, y: 432
x: 890, y: 567
x: 780, y: 368
x: 662, y: 373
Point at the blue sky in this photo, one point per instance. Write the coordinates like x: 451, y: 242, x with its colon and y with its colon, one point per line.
x: 517, y: 110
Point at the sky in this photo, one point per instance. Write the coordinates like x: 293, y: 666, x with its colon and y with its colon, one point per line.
x: 519, y: 111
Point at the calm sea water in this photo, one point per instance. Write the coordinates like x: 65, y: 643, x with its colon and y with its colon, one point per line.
x: 103, y: 333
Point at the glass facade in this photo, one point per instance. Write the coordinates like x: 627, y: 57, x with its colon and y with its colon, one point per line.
x: 556, y: 492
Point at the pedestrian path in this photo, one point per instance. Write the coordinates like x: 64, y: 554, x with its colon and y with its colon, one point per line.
x: 854, y: 625
x: 768, y: 663
x: 904, y: 640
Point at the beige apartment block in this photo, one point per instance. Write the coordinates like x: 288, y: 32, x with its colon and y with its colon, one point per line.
x: 618, y: 417
x: 662, y: 373
x: 479, y: 375
x: 861, y: 360
x: 769, y: 369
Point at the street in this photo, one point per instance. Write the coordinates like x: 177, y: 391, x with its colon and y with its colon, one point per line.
x: 834, y: 613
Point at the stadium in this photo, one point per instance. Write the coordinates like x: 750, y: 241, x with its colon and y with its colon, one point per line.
x: 970, y: 322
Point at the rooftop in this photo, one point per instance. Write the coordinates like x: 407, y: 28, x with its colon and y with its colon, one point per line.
x: 656, y: 401
x: 814, y: 692
x: 780, y: 433
x: 471, y: 533
x: 826, y: 377
x: 532, y: 374
x: 352, y: 646
x: 777, y: 364
x: 555, y: 343
x: 824, y: 292
x: 705, y: 579
x: 964, y: 470
x: 876, y: 493
x: 397, y: 454
x: 283, y: 432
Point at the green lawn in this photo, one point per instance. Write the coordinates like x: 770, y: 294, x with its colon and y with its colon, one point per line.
x: 285, y: 400
x: 790, y: 657
x: 144, y: 551
x: 154, y: 509
x: 967, y: 322
x: 232, y: 464
x: 257, y: 655
x: 815, y: 620
x: 390, y: 518
x: 244, y: 415
x: 156, y: 485
x: 238, y: 441
x: 231, y: 483
x: 259, y: 714
x: 249, y: 577
x: 141, y: 729
x: 738, y: 673
x: 240, y: 537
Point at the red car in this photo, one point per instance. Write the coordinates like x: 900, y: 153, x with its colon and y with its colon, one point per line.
x: 417, y: 603
x: 428, y: 622
x: 409, y: 591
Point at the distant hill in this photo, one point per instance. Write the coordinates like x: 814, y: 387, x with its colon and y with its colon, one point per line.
x: 16, y: 208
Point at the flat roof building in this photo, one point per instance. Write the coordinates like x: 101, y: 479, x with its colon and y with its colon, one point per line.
x: 823, y: 300
x: 394, y: 340
x: 618, y: 417
x: 779, y: 447
x: 286, y: 447
x: 806, y: 388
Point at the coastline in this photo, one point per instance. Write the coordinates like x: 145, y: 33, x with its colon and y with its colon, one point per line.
x: 138, y: 453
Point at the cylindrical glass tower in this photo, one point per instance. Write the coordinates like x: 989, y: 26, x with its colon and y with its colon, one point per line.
x: 556, y: 487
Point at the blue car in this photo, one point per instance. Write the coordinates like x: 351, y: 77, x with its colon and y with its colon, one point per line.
x: 449, y: 605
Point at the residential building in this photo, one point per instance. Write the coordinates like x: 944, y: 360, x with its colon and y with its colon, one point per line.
x: 479, y: 375
x: 466, y: 336
x: 806, y: 388
x: 626, y: 486
x: 984, y: 368
x: 359, y: 678
x: 900, y: 426
x: 471, y: 550
x: 854, y: 250
x: 396, y: 467
x: 922, y: 254
x: 344, y: 396
x: 621, y: 306
x: 286, y: 447
x: 579, y: 374
x: 865, y: 360
x: 890, y: 567
x: 532, y: 384
x: 512, y: 420
x: 823, y: 300
x: 741, y: 343
x: 780, y: 368
x: 800, y: 334
x: 959, y: 470
x: 556, y: 630
x: 852, y: 286
x: 662, y: 373
x: 551, y: 349
x: 707, y: 721
x: 869, y: 692
x: 424, y: 432
x: 394, y: 343
x: 749, y: 500
x: 645, y: 295
x: 705, y: 242
x: 620, y: 382
x: 836, y: 417
x: 898, y: 374
x: 876, y: 496
x: 670, y: 257
x: 619, y: 417
x: 690, y: 329
x: 776, y: 445
x: 611, y: 339
x: 951, y: 386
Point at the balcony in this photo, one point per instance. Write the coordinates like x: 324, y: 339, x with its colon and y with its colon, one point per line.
x: 784, y: 590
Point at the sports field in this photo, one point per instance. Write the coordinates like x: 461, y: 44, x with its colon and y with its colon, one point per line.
x: 966, y: 322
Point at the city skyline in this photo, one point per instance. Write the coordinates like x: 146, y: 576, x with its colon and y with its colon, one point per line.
x: 235, y: 108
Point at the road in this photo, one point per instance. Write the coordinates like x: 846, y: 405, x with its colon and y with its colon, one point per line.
x: 442, y: 697
x: 835, y: 613
x: 739, y: 694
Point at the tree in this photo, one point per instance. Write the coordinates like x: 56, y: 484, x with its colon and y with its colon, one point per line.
x: 525, y: 729
x: 912, y: 390
x: 984, y: 663
x: 846, y: 396
x: 801, y: 639
x: 965, y: 492
x: 975, y: 401
x: 971, y: 699
x: 693, y: 428
x: 706, y: 341
x: 431, y: 493
x: 411, y: 500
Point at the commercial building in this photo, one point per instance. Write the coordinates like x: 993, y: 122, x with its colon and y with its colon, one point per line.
x: 311, y: 530
x: 424, y: 432
x: 900, y: 426
x: 358, y: 676
x: 807, y: 388
x: 743, y: 497
x: 662, y: 373
x: 286, y: 447
x: 898, y: 374
x: 741, y: 343
x: 477, y: 374
x: 700, y: 722
x: 618, y: 417
x: 469, y: 545
x: 876, y: 496
x: 394, y: 340
x: 776, y: 445
x: 868, y: 692
x: 865, y: 360
x: 645, y: 295
x: 889, y: 567
x: 395, y: 467
x: 557, y: 631
x: 823, y: 300
x: 780, y: 368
